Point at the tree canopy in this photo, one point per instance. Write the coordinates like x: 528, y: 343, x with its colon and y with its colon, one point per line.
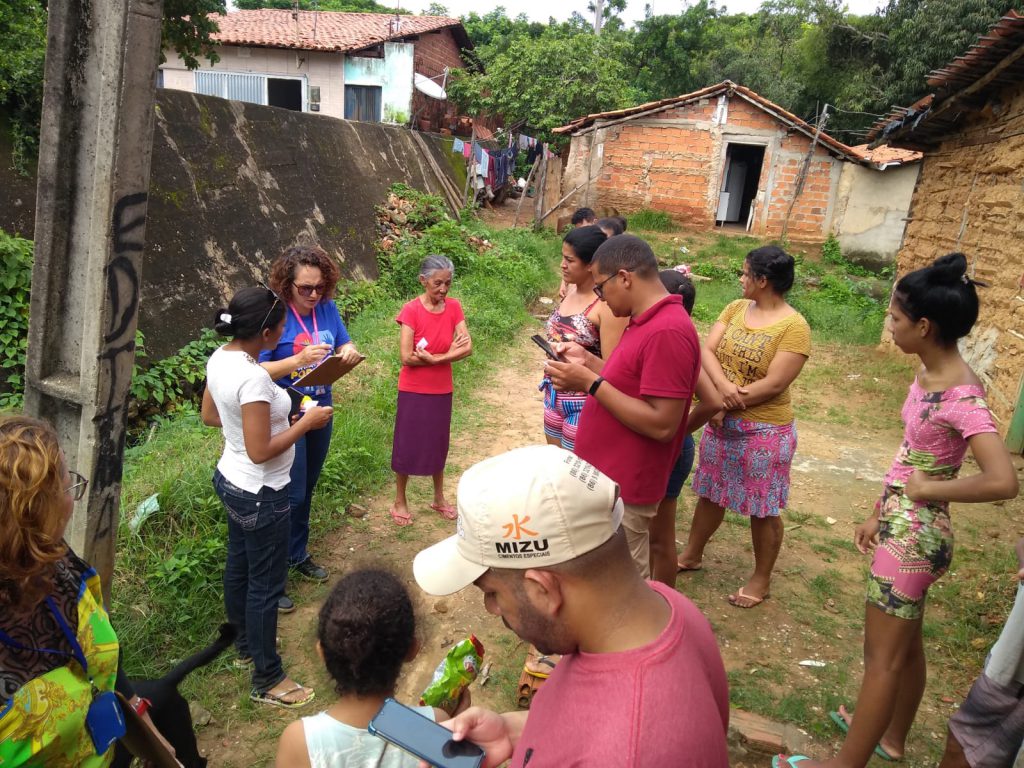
x: 801, y: 54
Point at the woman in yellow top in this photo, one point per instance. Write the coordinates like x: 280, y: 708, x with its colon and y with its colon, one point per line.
x: 755, y: 350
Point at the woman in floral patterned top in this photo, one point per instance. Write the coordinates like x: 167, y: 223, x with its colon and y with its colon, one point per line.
x: 581, y: 317
x: 910, y: 533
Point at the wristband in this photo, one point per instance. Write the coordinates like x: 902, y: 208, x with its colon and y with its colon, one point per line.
x: 597, y: 383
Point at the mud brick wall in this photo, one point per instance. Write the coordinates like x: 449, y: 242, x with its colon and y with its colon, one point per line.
x: 432, y: 53
x: 970, y: 198
x: 672, y: 161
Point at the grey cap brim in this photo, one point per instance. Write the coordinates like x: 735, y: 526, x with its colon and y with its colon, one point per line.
x: 442, y: 570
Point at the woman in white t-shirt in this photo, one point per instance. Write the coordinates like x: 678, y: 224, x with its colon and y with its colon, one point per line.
x: 252, y: 480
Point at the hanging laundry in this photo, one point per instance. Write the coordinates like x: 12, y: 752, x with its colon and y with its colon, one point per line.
x: 484, y: 162
x: 467, y: 150
x: 534, y: 153
x: 524, y: 141
x: 457, y: 145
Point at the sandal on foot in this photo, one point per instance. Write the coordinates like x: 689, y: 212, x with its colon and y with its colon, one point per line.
x: 840, y: 721
x: 400, y: 518
x: 752, y: 602
x: 447, y: 511
x: 279, y: 700
x: 680, y: 568
x: 788, y: 761
x: 537, y: 661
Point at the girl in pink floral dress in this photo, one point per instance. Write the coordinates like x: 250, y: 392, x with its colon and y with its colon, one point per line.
x: 910, y: 533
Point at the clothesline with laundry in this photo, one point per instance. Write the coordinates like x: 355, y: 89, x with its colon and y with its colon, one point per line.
x: 494, y: 167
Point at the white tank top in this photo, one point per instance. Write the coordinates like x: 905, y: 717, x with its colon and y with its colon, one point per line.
x: 333, y: 744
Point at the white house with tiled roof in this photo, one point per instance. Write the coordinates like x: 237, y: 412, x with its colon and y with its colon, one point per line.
x: 358, y: 66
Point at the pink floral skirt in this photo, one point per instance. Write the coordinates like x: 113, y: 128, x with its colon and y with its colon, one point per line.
x: 744, y: 466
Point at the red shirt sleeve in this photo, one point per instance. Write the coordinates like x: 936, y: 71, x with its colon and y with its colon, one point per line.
x: 457, y: 316
x: 407, y: 314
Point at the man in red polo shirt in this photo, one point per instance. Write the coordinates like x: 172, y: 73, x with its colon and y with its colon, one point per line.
x: 630, y: 427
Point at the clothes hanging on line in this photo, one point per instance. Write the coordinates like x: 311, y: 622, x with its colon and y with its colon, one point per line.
x: 457, y: 145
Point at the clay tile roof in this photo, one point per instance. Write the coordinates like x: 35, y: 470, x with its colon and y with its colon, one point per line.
x: 996, y: 60
x: 726, y: 86
x: 884, y: 156
x: 325, y: 30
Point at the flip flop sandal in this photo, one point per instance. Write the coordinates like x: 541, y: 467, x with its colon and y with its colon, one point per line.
x: 242, y: 662
x: 686, y: 569
x: 278, y: 699
x: 840, y: 721
x: 788, y: 760
x: 537, y: 661
x: 447, y: 511
x: 754, y: 602
x: 399, y: 518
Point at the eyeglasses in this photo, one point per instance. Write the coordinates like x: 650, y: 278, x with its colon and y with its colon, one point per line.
x: 309, y: 290
x: 599, y: 287
x: 267, y: 316
x: 77, y: 487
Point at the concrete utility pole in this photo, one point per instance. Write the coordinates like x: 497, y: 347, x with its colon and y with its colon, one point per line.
x: 94, y: 153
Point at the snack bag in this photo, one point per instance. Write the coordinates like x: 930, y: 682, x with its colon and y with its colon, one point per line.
x: 453, y: 675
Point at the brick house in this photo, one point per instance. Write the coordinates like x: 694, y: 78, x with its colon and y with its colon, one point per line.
x: 358, y: 66
x: 970, y: 196
x: 723, y: 154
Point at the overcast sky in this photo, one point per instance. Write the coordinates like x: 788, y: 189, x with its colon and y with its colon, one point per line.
x: 541, y: 10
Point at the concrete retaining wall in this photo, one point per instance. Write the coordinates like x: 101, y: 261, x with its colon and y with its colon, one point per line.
x: 233, y: 184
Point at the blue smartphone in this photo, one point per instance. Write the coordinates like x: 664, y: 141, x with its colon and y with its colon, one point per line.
x: 410, y: 731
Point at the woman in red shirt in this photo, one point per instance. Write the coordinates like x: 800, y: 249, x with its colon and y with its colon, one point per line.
x: 434, y: 335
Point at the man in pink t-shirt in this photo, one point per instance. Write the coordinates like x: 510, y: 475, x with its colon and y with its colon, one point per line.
x: 640, y: 682
x: 631, y: 425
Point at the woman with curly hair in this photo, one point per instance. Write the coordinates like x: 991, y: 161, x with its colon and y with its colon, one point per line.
x: 59, y: 656
x: 305, y: 277
x: 367, y: 633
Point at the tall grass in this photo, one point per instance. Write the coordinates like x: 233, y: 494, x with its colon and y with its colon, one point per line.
x: 167, y: 594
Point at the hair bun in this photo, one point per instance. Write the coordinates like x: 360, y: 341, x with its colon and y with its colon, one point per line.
x: 222, y: 322
x: 951, y: 269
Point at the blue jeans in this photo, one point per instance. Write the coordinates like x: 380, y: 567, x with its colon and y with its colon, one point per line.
x: 681, y: 470
x: 310, y: 455
x: 255, y: 573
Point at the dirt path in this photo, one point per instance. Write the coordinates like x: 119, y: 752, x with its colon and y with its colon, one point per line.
x: 815, y: 612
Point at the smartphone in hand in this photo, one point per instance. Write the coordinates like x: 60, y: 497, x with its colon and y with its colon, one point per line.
x: 541, y: 342
x: 410, y: 731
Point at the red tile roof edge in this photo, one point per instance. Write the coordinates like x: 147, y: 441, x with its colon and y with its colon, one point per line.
x: 336, y: 31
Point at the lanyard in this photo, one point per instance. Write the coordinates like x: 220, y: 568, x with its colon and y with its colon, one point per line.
x: 76, y: 649
x: 314, y: 338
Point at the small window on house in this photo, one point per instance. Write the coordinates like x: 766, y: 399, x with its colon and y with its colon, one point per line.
x: 363, y: 102
x: 284, y: 93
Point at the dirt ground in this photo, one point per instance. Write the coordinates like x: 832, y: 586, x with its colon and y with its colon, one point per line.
x: 814, y: 612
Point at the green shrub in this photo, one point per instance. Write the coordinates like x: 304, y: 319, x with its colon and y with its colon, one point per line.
x: 647, y: 220
x: 16, y: 280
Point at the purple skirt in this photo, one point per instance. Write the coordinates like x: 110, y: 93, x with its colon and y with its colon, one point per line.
x: 422, y: 431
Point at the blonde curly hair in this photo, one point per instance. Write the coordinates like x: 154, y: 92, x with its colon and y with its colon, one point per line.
x: 32, y: 510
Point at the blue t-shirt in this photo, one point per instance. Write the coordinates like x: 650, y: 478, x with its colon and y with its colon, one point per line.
x: 330, y: 330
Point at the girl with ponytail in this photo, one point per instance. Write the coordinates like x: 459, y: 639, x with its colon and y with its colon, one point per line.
x: 910, y: 534
x: 252, y: 480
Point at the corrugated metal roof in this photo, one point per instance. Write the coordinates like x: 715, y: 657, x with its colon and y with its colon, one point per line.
x: 726, y: 86
x: 996, y: 60
x: 325, y: 30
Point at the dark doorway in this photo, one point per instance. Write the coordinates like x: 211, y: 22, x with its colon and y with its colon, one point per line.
x: 363, y: 102
x: 286, y: 94
x: 740, y: 178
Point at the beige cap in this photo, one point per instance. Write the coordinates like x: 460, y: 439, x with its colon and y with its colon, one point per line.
x: 529, y: 508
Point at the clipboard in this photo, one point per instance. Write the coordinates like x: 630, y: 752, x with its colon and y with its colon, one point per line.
x: 141, y: 742
x: 328, y: 372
